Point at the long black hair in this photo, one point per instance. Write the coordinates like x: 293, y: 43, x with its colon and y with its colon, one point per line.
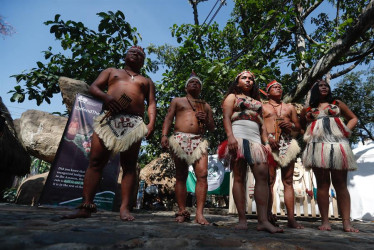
x: 315, y: 95
x: 233, y: 89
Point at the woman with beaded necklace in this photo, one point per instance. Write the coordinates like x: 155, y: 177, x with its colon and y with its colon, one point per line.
x: 242, y: 119
x: 328, y: 151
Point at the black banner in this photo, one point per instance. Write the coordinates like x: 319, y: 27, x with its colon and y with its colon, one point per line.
x: 64, y: 184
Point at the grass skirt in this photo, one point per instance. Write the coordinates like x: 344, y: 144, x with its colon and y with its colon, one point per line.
x: 121, y: 131
x: 288, y: 150
x: 338, y: 156
x: 327, y: 145
x: 188, y: 147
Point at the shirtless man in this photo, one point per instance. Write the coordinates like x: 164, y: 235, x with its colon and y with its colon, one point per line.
x: 188, y: 147
x: 280, y: 120
x: 121, y: 131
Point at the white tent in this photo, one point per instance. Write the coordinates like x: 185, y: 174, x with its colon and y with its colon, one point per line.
x: 361, y: 183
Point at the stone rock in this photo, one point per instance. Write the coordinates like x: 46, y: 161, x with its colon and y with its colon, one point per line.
x: 41, y: 133
x: 30, y: 189
x: 69, y: 88
x: 160, y: 172
x: 14, y: 160
x: 17, y: 128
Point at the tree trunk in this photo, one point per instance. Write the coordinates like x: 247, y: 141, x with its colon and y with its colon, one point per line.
x: 195, y: 13
x: 364, y: 22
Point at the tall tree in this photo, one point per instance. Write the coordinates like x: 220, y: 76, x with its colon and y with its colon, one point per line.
x: 293, y: 41
x: 87, y: 53
x: 262, y: 36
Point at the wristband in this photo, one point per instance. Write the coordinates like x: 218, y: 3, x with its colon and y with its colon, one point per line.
x: 164, y: 135
x: 266, y: 143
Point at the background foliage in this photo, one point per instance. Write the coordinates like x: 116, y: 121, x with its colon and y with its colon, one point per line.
x: 357, y: 91
x: 87, y: 52
x: 269, y: 38
x: 261, y: 36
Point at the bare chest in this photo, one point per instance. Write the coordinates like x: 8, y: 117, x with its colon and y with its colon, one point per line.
x: 276, y: 111
x: 121, y: 82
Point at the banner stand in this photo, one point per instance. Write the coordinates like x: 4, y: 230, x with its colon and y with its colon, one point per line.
x: 64, y: 184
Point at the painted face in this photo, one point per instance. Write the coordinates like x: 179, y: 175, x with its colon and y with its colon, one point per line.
x: 276, y: 90
x: 324, y: 88
x: 245, y: 82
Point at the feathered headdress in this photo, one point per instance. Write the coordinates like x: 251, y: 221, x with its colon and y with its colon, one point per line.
x: 271, y: 84
x: 193, y: 76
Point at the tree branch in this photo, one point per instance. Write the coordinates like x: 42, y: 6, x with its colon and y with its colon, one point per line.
x: 365, y: 129
x: 358, y: 57
x: 305, y: 34
x: 254, y: 37
x: 364, y: 22
x: 345, y: 71
x: 278, y: 45
x: 337, y: 14
x: 311, y: 9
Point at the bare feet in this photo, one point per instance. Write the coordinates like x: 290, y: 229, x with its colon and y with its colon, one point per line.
x: 81, y: 213
x: 294, y: 224
x: 125, y: 215
x: 267, y: 226
x: 242, y: 225
x: 200, y: 219
x: 182, y: 216
x: 273, y: 219
x: 347, y: 227
x: 179, y: 218
x: 325, y: 227
x: 351, y: 229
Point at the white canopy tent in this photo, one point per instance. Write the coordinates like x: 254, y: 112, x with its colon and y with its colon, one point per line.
x: 361, y: 183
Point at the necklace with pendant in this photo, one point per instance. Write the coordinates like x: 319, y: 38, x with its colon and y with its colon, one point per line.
x: 132, y: 76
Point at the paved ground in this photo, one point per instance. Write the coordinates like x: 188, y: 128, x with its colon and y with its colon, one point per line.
x: 24, y: 227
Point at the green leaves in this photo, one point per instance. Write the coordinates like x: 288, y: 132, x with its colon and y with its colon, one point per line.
x: 87, y: 53
x: 359, y: 86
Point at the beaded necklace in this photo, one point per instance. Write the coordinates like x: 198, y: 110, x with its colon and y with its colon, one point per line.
x: 276, y: 112
x: 193, y: 108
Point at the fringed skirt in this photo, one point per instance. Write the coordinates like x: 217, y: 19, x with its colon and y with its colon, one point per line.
x: 188, y: 147
x: 247, y: 134
x: 121, y: 131
x: 327, y: 145
x: 287, y: 151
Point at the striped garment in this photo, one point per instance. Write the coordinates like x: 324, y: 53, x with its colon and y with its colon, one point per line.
x: 327, y: 140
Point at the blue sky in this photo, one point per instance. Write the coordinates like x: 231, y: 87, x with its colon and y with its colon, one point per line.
x: 22, y: 50
x: 153, y: 19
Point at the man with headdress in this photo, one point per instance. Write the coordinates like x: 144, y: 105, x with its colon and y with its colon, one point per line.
x: 119, y: 128
x: 280, y: 121
x: 187, y: 145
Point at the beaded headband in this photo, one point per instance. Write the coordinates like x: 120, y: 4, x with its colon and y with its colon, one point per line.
x: 271, y: 84
x: 194, y: 76
x: 241, y: 73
